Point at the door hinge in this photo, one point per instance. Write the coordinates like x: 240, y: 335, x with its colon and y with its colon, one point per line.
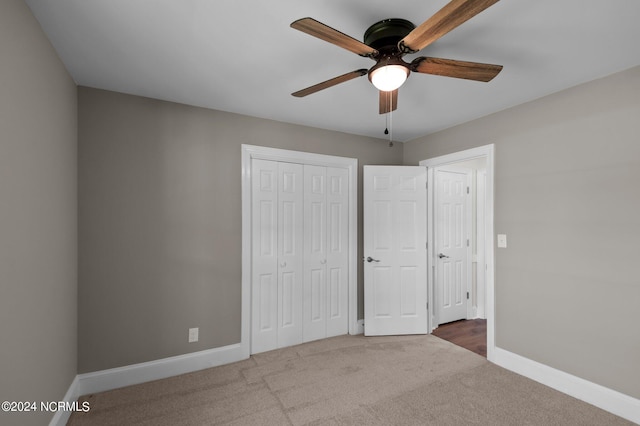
x: 467, y: 295
x: 427, y: 306
x: 467, y: 242
x: 467, y: 189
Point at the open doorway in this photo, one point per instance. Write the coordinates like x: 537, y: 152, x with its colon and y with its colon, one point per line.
x: 477, y: 271
x: 467, y: 224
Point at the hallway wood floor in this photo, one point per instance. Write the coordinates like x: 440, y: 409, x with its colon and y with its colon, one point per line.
x: 469, y: 334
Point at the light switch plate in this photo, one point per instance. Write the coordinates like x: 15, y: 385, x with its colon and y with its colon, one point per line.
x: 502, y: 240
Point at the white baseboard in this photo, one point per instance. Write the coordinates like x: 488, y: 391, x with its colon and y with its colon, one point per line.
x: 114, y: 378
x: 60, y: 418
x: 610, y: 400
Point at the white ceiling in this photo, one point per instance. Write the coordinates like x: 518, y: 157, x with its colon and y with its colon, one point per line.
x: 241, y: 55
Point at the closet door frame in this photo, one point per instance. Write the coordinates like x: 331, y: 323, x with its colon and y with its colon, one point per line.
x: 250, y: 152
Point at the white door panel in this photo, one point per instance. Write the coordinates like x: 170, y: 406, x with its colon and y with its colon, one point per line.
x: 326, y: 256
x: 337, y: 251
x: 290, y: 256
x: 264, y: 278
x: 395, y: 240
x: 315, y: 241
x: 452, y: 242
x: 277, y: 253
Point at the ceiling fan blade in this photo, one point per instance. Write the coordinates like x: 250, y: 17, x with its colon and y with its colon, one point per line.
x: 446, y: 19
x: 457, y: 69
x: 388, y: 101
x: 326, y: 33
x: 329, y: 83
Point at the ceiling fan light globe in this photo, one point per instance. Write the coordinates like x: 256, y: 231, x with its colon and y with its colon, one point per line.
x: 389, y: 77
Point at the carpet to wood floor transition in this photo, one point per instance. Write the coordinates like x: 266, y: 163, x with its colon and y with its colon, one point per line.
x: 346, y: 380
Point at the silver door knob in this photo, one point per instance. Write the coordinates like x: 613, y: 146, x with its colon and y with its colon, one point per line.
x: 442, y: 255
x: 323, y: 261
x: 371, y: 259
x: 283, y: 264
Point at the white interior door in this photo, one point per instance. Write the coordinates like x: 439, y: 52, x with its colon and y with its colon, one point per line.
x: 452, y: 242
x: 395, y: 236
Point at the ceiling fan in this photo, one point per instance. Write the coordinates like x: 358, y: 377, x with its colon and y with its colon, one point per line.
x: 387, y: 41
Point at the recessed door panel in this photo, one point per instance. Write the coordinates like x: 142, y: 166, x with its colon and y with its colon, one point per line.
x: 289, y: 227
x: 337, y: 226
x: 382, y: 225
x: 335, y: 293
x: 268, y: 237
x: 408, y: 291
x: 317, y: 295
x: 287, y: 294
x: 382, y: 292
x: 318, y: 231
x: 267, y: 295
x: 407, y: 238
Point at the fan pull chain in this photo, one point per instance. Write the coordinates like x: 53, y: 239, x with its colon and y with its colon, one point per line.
x: 386, y: 129
x: 391, y: 126
x: 391, y: 120
x: 389, y: 123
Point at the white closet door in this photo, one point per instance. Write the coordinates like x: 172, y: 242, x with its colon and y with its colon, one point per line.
x: 290, y: 253
x: 337, y: 251
x: 277, y: 251
x: 315, y: 253
x: 264, y: 274
x: 326, y: 252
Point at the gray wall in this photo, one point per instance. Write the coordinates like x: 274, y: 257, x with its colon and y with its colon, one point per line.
x: 567, y: 171
x: 160, y: 221
x: 38, y: 267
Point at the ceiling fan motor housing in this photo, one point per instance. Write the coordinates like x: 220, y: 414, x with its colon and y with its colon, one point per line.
x: 385, y: 35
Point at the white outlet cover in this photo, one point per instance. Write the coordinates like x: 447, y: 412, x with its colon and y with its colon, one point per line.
x: 502, y: 240
x: 193, y: 335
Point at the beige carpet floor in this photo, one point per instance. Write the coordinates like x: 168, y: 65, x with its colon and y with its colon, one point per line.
x: 347, y: 380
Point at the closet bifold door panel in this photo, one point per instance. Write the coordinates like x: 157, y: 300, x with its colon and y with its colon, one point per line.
x: 300, y: 253
x: 277, y: 254
x: 325, y: 309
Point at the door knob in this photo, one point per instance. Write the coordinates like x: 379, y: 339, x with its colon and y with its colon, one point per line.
x: 442, y: 255
x: 323, y: 261
x: 371, y: 259
x: 283, y: 264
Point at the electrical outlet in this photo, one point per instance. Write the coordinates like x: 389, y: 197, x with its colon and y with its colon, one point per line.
x: 502, y: 240
x: 193, y: 335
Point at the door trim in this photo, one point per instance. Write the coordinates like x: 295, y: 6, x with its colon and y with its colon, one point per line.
x: 260, y: 152
x: 486, y: 151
